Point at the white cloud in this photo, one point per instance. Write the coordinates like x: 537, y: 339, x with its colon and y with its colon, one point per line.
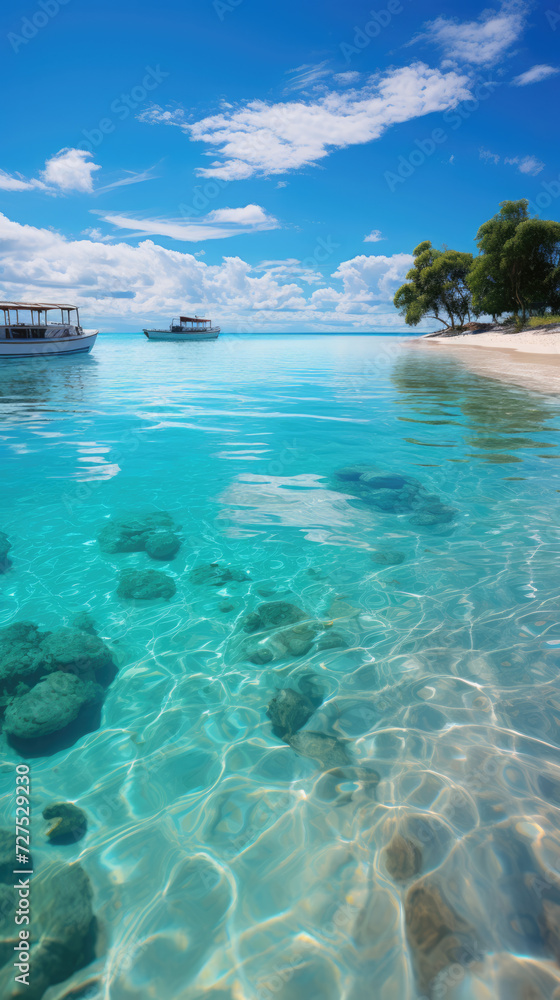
x: 291, y: 267
x: 526, y: 164
x: 535, y: 75
x: 481, y: 42
x: 306, y: 76
x: 349, y: 76
x: 70, y: 170
x: 486, y: 154
x: 374, y: 237
x: 131, y: 177
x: 123, y: 286
x: 16, y: 182
x: 281, y: 184
x: 264, y: 139
x: 217, y: 225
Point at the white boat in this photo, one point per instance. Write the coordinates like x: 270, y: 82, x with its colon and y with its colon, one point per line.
x: 187, y: 328
x: 36, y: 335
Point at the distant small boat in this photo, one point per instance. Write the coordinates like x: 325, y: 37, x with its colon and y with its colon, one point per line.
x: 36, y: 335
x: 188, y: 328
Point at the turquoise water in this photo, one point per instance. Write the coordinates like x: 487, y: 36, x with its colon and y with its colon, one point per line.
x: 225, y: 864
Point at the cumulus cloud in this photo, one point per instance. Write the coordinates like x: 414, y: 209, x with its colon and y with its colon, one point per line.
x: 478, y: 43
x: 119, y: 285
x: 70, y: 170
x: 526, y: 164
x: 264, y: 139
x: 217, y: 225
x: 374, y: 237
x: 535, y: 75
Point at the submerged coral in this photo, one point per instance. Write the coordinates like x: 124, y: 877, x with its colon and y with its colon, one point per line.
x: 145, y: 584
x: 272, y: 640
x: 216, y: 575
x: 50, y: 706
x: 437, y: 935
x: 5, y: 546
x: 69, y: 822
x: 153, y: 533
x: 403, y: 858
x: 394, y: 494
x: 387, y: 557
x: 273, y: 614
x: 47, y: 678
x: 289, y: 711
x: 20, y: 644
x: 328, y: 751
x: 63, y: 931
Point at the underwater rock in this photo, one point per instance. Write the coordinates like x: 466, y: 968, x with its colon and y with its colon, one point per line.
x: 163, y: 545
x: 74, y: 651
x: 331, y: 640
x: 139, y: 533
x: 273, y: 614
x: 50, y: 706
x: 433, y: 512
x: 216, y: 575
x: 63, y: 932
x: 5, y: 546
x: 19, y: 649
x: 145, y: 584
x: 437, y: 935
x: 403, y: 858
x: 69, y: 822
x: 328, y: 751
x: 289, y: 711
x: 388, y: 557
x: 296, y: 641
x: 394, y: 494
x: 84, y: 622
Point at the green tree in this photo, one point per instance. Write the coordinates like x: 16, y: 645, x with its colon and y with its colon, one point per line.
x: 436, y: 286
x: 518, y: 266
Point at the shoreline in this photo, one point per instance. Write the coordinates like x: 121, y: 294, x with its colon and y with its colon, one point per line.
x: 541, y: 340
x: 530, y: 359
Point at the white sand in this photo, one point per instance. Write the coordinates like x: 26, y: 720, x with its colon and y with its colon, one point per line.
x: 529, y: 359
x: 541, y: 341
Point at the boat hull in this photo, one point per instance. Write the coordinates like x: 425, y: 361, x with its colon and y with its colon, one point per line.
x: 211, y: 334
x: 48, y: 347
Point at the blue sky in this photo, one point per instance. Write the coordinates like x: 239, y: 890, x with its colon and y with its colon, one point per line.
x: 233, y: 157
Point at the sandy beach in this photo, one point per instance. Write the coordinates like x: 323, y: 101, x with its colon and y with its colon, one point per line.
x: 530, y: 358
x: 543, y: 340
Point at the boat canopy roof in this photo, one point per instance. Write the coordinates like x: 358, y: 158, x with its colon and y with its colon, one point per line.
x: 42, y: 306
x: 192, y: 319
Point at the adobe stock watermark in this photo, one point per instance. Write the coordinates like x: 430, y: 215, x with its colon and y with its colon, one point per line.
x: 31, y: 26
x: 380, y: 19
x: 553, y: 18
x: 550, y: 191
x: 122, y: 107
x: 223, y: 7
x: 423, y: 149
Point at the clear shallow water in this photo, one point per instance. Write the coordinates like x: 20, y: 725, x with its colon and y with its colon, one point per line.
x: 225, y: 865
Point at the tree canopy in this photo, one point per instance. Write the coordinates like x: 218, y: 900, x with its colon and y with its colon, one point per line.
x: 436, y: 286
x: 517, y: 271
